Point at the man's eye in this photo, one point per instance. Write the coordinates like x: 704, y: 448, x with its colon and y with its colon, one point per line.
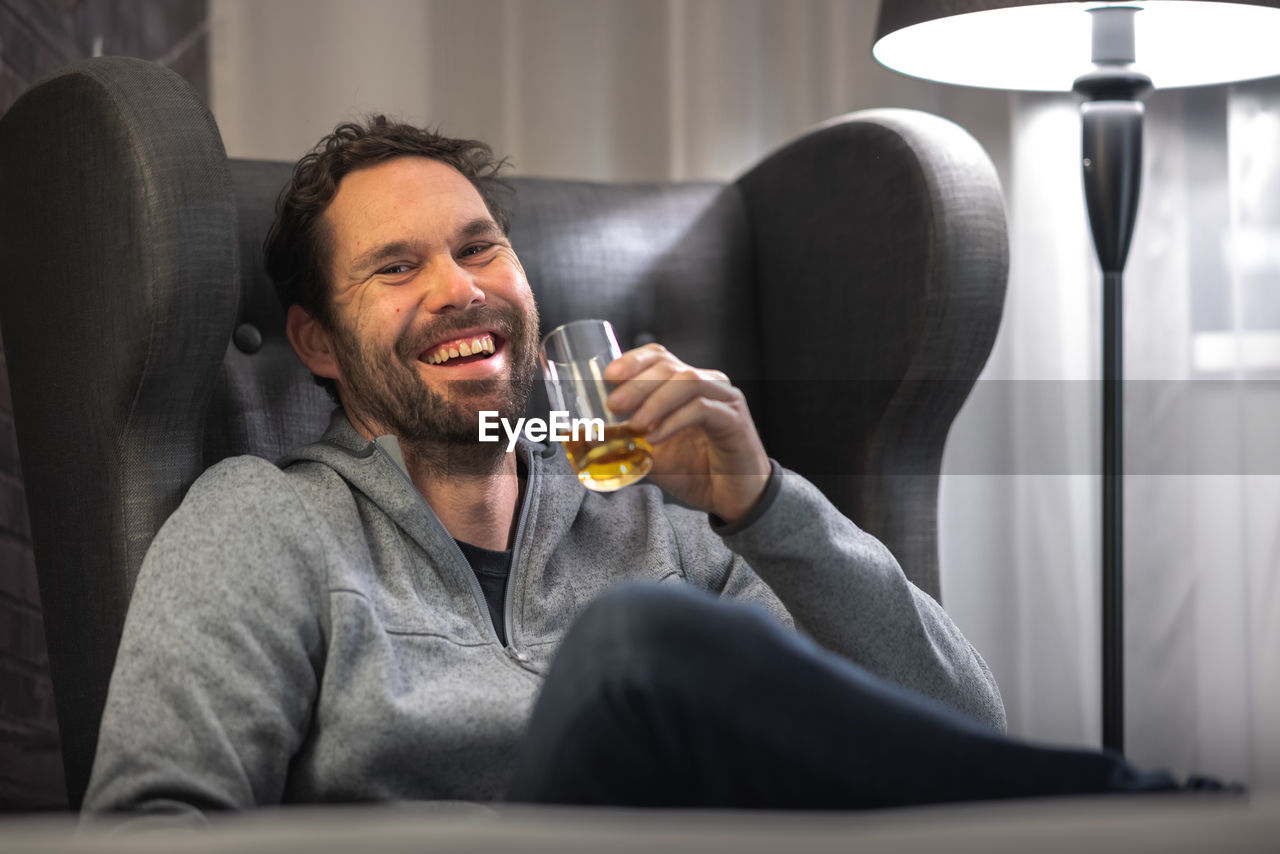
x: 475, y: 249
x: 394, y: 269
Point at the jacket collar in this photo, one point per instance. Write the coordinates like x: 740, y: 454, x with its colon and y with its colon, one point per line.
x: 552, y: 493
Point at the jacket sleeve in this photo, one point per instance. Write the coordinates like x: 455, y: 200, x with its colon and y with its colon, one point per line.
x: 842, y: 587
x: 219, y: 663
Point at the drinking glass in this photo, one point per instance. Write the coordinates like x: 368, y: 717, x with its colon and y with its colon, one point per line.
x: 574, y: 357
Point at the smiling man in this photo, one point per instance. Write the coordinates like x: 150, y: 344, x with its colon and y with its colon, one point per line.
x: 373, y: 617
x: 421, y: 273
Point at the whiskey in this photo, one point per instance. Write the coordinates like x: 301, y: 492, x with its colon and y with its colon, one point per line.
x: 624, y: 457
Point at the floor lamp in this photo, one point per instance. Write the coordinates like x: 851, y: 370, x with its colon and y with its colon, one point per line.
x: 1042, y: 45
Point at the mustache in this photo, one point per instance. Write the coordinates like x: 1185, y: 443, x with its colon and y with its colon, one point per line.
x: 507, y: 321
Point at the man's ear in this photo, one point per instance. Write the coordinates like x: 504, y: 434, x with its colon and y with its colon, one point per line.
x: 312, y: 342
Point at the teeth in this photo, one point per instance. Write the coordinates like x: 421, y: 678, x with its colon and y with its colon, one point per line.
x: 474, y: 347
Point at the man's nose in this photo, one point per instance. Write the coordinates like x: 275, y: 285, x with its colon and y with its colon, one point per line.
x: 451, y: 287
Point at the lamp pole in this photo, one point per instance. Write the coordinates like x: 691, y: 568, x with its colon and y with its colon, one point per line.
x: 1111, y: 113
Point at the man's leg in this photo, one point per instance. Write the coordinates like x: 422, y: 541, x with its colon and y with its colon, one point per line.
x: 665, y: 696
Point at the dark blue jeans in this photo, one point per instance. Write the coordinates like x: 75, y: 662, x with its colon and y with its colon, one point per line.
x: 666, y: 696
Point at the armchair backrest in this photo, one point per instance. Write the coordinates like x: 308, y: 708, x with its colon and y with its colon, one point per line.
x: 851, y: 283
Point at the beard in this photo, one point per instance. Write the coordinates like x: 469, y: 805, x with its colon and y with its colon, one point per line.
x: 439, y: 430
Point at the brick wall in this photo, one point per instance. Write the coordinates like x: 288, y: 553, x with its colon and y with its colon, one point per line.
x: 36, y: 37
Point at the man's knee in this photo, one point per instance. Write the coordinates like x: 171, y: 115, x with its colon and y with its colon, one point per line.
x: 640, y: 620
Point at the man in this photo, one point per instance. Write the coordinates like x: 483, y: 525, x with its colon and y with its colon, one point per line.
x: 373, y: 618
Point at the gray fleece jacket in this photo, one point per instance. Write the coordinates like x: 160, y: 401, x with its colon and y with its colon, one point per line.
x: 309, y: 631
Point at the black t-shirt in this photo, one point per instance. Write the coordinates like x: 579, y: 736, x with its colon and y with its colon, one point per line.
x: 491, y: 569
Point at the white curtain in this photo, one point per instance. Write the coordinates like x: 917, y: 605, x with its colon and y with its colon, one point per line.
x: 687, y: 89
x: 1202, y: 543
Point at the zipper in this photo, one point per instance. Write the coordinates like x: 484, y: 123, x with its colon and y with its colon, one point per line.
x: 521, y: 658
x: 517, y: 657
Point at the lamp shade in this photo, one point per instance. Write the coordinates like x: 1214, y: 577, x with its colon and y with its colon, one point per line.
x: 1044, y: 45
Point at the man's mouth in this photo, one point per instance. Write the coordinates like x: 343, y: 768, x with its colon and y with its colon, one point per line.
x: 461, y: 351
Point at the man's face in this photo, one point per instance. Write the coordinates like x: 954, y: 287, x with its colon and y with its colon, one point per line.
x: 421, y: 276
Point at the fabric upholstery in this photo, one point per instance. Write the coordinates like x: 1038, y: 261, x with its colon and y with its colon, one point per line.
x: 851, y: 283
x: 882, y: 277
x: 120, y: 276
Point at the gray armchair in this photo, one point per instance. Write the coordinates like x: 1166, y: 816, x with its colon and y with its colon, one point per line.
x: 851, y: 282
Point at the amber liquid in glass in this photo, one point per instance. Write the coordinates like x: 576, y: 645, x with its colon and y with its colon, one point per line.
x: 623, y: 457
